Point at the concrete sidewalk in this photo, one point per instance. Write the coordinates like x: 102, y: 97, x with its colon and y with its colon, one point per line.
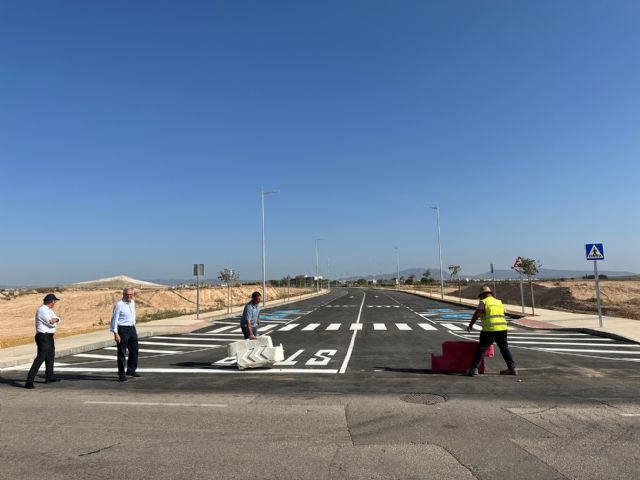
x: 24, y: 354
x: 612, y: 327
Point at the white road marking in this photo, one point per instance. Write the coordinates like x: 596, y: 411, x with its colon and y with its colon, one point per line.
x: 427, y: 326
x: 187, y: 339
x: 262, y: 329
x: 403, y: 326
x: 310, y: 327
x: 343, y: 368
x: 356, y: 326
x: 333, y: 326
x: 451, y: 326
x: 629, y: 414
x: 199, y: 370
x: 96, y: 355
x: 226, y: 361
x: 553, y: 334
x: 147, y: 350
x: 321, y: 358
x: 581, y: 344
x: 156, y: 404
x: 585, y: 350
x: 290, y: 360
x: 286, y: 328
x: 167, y: 344
x: 379, y: 326
x: 218, y: 330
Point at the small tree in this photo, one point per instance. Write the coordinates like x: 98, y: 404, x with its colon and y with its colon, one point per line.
x: 530, y: 268
x: 410, y: 280
x: 426, y: 277
x: 454, y: 270
x: 228, y: 276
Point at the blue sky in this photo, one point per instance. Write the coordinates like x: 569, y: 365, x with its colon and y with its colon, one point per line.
x: 135, y: 136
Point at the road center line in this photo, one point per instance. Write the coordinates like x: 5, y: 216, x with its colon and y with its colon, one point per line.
x: 343, y: 368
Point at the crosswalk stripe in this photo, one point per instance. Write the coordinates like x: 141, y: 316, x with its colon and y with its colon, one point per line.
x: 356, y: 326
x: 96, y: 355
x: 147, y: 350
x: 379, y: 326
x: 586, y: 350
x: 289, y: 327
x: 554, y: 334
x: 222, y: 329
x: 193, y: 345
x: 334, y: 326
x: 310, y: 327
x: 403, y: 326
x: 581, y: 344
x: 451, y: 326
x: 427, y: 326
x: 579, y: 339
x: 200, y: 339
x: 266, y: 328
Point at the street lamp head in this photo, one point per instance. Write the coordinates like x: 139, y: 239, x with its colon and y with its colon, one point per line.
x: 271, y: 192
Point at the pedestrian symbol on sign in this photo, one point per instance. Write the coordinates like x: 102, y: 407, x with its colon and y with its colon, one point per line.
x: 595, y: 251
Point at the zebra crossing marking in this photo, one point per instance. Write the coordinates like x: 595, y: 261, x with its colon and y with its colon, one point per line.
x: 334, y: 326
x: 379, y: 326
x: 451, y: 326
x: 310, y: 327
x: 403, y: 326
x: 289, y: 327
x: 427, y: 326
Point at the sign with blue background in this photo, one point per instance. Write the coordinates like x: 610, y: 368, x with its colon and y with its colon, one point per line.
x: 595, y: 251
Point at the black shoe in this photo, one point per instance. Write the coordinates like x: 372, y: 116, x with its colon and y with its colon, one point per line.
x: 122, y: 378
x: 134, y: 374
x: 29, y: 385
x: 52, y: 380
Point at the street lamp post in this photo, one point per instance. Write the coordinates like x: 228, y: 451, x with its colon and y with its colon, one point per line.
x: 264, y: 263
x: 317, y: 274
x: 439, y: 252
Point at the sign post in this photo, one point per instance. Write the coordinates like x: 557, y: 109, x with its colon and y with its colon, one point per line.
x: 493, y: 276
x: 595, y: 252
x: 517, y: 266
x: 198, y: 270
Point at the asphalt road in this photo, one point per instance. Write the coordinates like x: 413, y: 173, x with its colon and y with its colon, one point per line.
x: 354, y: 398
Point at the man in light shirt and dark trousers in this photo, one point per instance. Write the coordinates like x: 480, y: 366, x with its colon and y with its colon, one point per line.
x: 123, y: 326
x: 46, y: 323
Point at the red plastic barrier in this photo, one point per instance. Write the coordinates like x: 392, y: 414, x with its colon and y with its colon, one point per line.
x: 457, y: 357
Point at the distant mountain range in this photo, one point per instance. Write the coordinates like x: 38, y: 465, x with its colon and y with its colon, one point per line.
x: 543, y: 274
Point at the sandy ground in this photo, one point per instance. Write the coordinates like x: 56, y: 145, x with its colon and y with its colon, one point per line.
x: 88, y: 310
x: 619, y: 298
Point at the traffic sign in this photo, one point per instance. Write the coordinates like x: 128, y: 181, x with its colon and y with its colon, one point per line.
x: 517, y: 263
x: 595, y: 251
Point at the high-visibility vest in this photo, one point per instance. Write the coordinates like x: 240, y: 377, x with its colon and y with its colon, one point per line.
x: 493, y: 319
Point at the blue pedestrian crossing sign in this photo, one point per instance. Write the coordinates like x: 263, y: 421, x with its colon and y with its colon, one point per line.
x: 595, y: 251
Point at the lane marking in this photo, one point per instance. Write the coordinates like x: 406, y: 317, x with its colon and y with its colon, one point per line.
x: 167, y: 344
x: 187, y: 339
x: 427, y: 326
x: 403, y: 326
x: 356, y: 326
x: 147, y: 350
x: 96, y: 355
x: 291, y: 326
x: 333, y: 326
x: 585, y: 350
x: 114, y: 370
x: 310, y: 327
x: 451, y: 326
x: 343, y: 368
x: 379, y: 326
x: 262, y: 329
x: 629, y: 414
x: 218, y: 330
x: 156, y: 404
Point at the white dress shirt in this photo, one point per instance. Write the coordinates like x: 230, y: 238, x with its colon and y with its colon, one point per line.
x: 43, y: 316
x: 124, y: 315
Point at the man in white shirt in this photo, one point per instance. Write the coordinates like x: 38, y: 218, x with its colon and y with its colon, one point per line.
x: 46, y: 323
x: 123, y: 327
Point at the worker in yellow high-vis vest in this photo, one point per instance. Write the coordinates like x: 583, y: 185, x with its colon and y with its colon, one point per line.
x: 494, y: 329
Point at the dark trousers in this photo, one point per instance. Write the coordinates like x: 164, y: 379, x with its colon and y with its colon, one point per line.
x: 486, y: 340
x: 128, y: 341
x: 46, y: 353
x: 245, y: 331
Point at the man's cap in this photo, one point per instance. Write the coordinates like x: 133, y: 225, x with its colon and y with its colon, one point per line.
x: 484, y: 290
x: 50, y: 297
